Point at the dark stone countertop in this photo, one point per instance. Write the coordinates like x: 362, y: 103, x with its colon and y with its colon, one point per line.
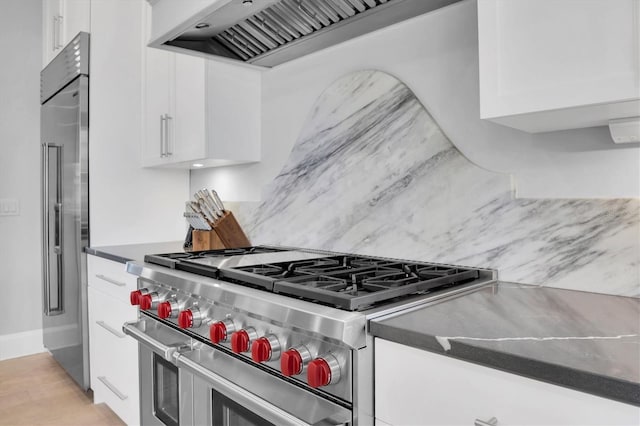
x: 584, y: 341
x: 127, y: 252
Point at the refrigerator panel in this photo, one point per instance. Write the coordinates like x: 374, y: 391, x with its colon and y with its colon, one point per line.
x: 64, y: 129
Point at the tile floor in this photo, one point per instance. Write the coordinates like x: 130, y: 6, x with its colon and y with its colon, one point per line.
x: 35, y: 390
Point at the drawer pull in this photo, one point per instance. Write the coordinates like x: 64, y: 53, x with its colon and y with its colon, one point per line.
x: 111, y: 329
x: 111, y: 280
x: 491, y: 422
x: 112, y: 388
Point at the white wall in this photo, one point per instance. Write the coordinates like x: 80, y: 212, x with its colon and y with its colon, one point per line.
x: 436, y: 55
x: 128, y: 204
x: 20, y: 273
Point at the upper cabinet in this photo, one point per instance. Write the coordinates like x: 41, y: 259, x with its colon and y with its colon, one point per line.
x: 199, y: 113
x: 552, y: 65
x: 62, y: 20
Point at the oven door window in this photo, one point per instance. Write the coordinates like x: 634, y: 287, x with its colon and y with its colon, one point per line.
x: 165, y: 391
x: 226, y: 412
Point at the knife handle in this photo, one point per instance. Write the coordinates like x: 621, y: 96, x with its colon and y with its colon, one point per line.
x: 217, y: 200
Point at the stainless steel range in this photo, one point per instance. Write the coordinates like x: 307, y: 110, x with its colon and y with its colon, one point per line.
x: 271, y: 335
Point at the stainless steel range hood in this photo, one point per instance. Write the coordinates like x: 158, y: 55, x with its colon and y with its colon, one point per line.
x: 271, y: 32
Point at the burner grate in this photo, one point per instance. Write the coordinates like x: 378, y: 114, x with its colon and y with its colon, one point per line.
x: 358, y: 283
x: 343, y: 281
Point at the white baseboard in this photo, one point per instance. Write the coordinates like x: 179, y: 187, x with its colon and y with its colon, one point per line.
x: 21, y: 344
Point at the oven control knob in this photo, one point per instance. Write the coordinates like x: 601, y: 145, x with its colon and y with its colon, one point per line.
x: 323, y: 371
x: 220, y: 330
x: 294, y: 360
x: 190, y: 318
x: 241, y: 339
x: 149, y: 301
x: 266, y: 348
x: 168, y: 309
x: 134, y: 296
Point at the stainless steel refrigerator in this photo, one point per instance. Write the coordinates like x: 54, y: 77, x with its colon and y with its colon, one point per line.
x: 64, y: 121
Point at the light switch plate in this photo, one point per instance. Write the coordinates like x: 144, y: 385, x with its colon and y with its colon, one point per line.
x: 9, y: 207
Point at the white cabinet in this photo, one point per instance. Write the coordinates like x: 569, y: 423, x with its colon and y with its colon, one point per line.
x: 558, y: 64
x: 113, y: 355
x: 416, y: 387
x: 61, y: 21
x: 199, y: 111
x: 174, y: 108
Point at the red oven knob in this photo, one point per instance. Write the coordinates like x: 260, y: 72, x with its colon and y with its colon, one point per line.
x: 323, y: 371
x: 241, y: 340
x: 291, y: 363
x: 185, y: 319
x: 164, y: 310
x: 220, y: 330
x: 190, y: 318
x: 145, y: 302
x: 134, y: 296
x: 266, y: 348
x: 294, y: 360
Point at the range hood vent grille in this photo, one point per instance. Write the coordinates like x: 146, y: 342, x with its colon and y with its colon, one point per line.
x: 271, y: 32
x: 287, y: 21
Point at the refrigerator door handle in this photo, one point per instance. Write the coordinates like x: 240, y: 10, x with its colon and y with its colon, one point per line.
x: 57, y: 246
x: 45, y: 228
x: 58, y: 309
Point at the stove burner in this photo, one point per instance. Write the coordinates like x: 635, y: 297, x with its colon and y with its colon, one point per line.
x: 344, y: 281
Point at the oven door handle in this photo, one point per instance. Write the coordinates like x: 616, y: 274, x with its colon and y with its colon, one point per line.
x: 243, y: 397
x: 168, y: 352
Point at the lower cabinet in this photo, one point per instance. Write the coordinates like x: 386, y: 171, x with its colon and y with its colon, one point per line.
x: 416, y: 387
x: 113, y: 355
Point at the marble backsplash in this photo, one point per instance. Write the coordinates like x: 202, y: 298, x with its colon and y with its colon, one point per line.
x: 372, y: 173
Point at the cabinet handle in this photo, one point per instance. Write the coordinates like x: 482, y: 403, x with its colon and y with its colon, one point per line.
x: 162, y: 136
x: 491, y: 422
x: 110, y: 280
x: 59, y: 38
x: 167, y: 152
x: 112, y: 388
x: 54, y: 31
x: 111, y: 330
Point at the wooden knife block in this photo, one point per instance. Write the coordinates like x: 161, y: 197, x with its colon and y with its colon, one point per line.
x: 226, y: 233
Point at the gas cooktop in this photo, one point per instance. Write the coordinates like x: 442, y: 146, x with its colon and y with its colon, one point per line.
x: 348, y: 282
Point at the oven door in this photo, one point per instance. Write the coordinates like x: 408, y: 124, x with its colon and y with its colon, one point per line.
x: 230, y: 392
x: 161, y: 381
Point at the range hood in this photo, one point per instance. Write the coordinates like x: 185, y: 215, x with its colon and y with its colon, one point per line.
x: 270, y: 32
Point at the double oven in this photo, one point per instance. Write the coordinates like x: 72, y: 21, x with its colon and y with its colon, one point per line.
x: 270, y: 336
x: 184, y: 382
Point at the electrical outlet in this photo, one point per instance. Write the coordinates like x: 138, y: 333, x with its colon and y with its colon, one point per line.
x: 9, y: 207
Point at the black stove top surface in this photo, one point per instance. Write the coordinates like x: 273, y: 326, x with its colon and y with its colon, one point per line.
x: 348, y: 282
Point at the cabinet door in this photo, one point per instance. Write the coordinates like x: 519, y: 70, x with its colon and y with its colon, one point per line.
x: 452, y: 392
x: 158, y: 77
x: 76, y: 17
x: 51, y: 29
x: 187, y: 140
x: 551, y: 65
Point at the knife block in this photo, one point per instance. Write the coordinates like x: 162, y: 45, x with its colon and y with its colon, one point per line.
x: 205, y: 240
x: 226, y: 233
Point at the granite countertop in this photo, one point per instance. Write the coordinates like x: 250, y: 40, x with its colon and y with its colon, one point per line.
x: 584, y: 341
x: 127, y: 252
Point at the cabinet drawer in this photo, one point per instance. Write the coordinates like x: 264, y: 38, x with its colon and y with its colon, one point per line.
x: 114, y: 356
x: 127, y: 409
x: 453, y: 392
x: 110, y: 277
